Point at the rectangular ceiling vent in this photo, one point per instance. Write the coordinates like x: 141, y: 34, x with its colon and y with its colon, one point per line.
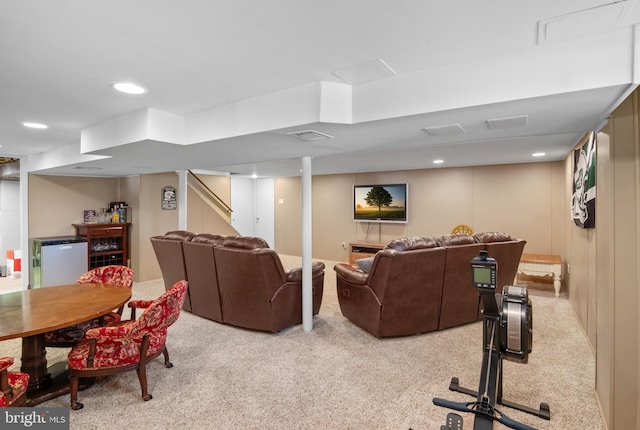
x: 445, y: 130
x: 87, y: 168
x: 309, y: 135
x: 583, y: 23
x: 365, y: 72
x: 510, y: 122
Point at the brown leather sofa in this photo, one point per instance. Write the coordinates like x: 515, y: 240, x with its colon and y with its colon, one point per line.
x: 401, y: 294
x: 507, y: 253
x: 241, y: 281
x: 169, y: 252
x: 420, y: 284
x: 201, y: 267
x: 255, y: 291
x: 460, y: 299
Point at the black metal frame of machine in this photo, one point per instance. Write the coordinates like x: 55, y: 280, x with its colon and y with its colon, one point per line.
x: 507, y: 333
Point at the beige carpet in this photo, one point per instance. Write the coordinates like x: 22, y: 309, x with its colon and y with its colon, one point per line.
x: 337, y: 376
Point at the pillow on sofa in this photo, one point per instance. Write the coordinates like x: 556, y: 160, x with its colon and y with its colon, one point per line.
x: 182, y: 235
x: 365, y: 264
x: 411, y: 243
x: 492, y: 236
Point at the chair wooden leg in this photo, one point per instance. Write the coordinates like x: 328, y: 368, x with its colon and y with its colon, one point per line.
x: 142, y: 377
x: 74, y: 382
x: 167, y: 363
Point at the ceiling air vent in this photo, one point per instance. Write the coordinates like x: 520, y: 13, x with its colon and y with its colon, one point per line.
x: 309, y: 135
x: 510, y: 122
x: 365, y: 72
x: 445, y: 130
x: 87, y: 168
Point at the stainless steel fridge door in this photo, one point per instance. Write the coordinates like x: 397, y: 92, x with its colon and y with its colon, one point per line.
x: 62, y: 264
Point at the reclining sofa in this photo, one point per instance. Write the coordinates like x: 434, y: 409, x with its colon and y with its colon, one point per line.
x: 236, y: 280
x: 421, y: 284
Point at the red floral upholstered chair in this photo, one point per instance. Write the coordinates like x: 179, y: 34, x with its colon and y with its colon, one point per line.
x: 70, y: 336
x: 13, y: 385
x: 127, y: 345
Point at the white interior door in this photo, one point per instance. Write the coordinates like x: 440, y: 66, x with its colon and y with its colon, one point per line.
x: 253, y: 207
x: 265, y: 208
x: 243, y: 205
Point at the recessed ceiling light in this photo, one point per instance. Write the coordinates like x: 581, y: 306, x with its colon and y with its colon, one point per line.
x: 438, y: 161
x: 35, y: 125
x: 129, y: 88
x: 538, y: 154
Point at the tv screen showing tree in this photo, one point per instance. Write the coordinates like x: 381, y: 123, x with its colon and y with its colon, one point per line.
x: 380, y: 203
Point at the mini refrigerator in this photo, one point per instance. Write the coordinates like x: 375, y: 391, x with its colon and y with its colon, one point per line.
x: 58, y: 260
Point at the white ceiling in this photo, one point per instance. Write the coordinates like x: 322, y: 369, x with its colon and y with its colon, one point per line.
x: 238, y: 76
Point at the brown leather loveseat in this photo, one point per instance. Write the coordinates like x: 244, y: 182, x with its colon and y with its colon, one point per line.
x: 240, y: 281
x: 420, y: 284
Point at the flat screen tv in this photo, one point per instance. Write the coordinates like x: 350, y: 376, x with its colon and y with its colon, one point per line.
x: 380, y: 203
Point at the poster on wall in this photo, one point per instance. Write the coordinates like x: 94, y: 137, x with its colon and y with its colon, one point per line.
x: 583, y: 200
x: 169, y: 201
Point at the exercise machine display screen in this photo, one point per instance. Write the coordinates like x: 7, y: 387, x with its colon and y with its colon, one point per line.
x: 482, y: 275
x: 483, y: 271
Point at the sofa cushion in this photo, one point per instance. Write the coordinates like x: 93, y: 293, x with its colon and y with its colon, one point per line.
x: 210, y: 239
x: 492, y: 236
x: 454, y: 239
x: 243, y: 242
x: 410, y: 243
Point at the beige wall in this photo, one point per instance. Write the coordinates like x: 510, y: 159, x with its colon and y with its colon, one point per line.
x: 153, y: 221
x: 65, y: 198
x: 202, y: 218
x: 604, y: 279
x: 150, y: 220
x: 524, y: 200
x: 56, y: 202
x: 129, y: 192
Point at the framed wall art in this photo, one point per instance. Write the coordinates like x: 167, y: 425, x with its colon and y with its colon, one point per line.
x: 168, y: 197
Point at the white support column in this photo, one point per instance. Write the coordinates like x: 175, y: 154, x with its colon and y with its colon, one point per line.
x: 25, y: 245
x: 307, y: 287
x: 182, y: 199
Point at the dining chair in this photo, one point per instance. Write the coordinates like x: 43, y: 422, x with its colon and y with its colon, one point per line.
x: 127, y: 345
x: 13, y: 385
x: 69, y: 336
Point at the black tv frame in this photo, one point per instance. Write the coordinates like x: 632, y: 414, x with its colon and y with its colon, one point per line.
x: 398, y: 190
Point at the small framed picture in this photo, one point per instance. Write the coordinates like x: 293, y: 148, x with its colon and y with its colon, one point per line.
x: 169, y: 201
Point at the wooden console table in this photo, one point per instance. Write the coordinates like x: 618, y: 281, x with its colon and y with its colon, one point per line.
x: 358, y: 250
x: 542, y: 264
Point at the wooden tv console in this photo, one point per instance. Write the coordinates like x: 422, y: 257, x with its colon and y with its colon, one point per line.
x: 358, y: 250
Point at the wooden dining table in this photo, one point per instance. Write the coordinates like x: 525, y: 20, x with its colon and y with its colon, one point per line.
x: 29, y: 314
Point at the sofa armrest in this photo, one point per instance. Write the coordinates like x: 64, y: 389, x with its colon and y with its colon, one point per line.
x: 295, y: 275
x: 351, y: 274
